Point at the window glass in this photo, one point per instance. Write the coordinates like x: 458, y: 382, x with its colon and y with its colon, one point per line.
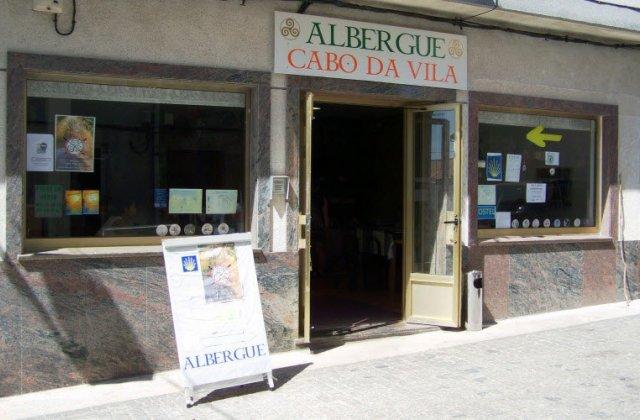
x: 113, y: 161
x: 536, y: 172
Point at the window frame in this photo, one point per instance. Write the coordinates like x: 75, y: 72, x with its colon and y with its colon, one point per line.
x: 33, y: 245
x: 493, y: 233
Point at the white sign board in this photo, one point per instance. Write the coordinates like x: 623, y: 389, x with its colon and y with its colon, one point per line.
x: 326, y: 47
x: 217, y: 314
x: 536, y: 193
x: 39, y: 152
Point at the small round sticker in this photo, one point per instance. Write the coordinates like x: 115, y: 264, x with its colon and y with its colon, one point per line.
x: 190, y: 229
x: 515, y: 224
x: 174, y: 230
x: 207, y: 229
x: 556, y: 223
x: 552, y: 171
x: 223, y: 228
x: 577, y: 222
x: 546, y: 223
x: 566, y: 222
x: 535, y: 223
x: 162, y: 230
x: 525, y: 223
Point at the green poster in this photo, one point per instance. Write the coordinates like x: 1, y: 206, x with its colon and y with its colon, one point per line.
x: 49, y: 201
x: 185, y: 201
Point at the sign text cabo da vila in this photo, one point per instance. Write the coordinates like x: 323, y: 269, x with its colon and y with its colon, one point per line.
x: 326, y: 47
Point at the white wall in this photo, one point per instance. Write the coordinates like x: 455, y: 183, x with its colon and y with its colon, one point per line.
x: 225, y: 34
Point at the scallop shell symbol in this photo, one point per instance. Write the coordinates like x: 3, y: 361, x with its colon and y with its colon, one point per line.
x: 456, y: 50
x: 494, y: 168
x: 189, y: 264
x: 290, y: 28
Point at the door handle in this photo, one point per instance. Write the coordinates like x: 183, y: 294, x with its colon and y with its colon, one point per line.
x: 454, y: 222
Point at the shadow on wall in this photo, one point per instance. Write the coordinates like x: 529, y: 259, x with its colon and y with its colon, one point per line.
x: 73, y: 327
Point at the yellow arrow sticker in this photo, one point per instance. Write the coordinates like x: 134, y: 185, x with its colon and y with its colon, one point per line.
x: 537, y: 137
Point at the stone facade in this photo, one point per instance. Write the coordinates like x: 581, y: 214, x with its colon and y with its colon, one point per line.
x: 71, y: 321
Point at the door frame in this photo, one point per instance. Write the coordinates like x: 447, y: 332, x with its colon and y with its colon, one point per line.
x: 309, y: 98
x: 408, y: 214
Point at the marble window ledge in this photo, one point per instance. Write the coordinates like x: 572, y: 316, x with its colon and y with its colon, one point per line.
x: 107, y: 252
x: 545, y: 239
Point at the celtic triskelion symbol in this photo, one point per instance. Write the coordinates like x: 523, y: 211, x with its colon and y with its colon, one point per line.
x: 290, y: 28
x: 455, y: 49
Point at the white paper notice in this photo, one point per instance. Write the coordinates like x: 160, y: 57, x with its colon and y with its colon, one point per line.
x: 512, y: 172
x: 503, y: 220
x: 536, y: 193
x: 486, y: 195
x: 552, y: 158
x: 39, y: 152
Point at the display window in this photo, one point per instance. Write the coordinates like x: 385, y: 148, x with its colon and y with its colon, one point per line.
x: 537, y: 174
x: 120, y: 162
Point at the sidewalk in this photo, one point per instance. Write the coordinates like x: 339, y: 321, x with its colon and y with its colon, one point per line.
x: 583, y: 362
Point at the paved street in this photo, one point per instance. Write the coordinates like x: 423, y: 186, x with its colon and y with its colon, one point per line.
x: 590, y: 370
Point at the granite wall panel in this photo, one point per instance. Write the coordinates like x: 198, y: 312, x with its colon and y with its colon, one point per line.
x: 496, y: 284
x: 599, y: 274
x: 86, y: 320
x: 544, y: 280
x: 526, y: 279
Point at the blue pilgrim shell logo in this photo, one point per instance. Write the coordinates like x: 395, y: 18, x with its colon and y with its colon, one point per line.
x: 189, y: 264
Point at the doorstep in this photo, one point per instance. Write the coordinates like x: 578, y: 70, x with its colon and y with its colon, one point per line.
x: 366, y: 331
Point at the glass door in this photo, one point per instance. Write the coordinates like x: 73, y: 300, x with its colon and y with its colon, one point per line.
x: 432, y: 215
x: 304, y: 227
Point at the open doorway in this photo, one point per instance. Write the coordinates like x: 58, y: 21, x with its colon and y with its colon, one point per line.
x: 357, y: 218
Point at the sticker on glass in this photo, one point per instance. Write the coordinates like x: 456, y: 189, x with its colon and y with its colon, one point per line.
x: 91, y: 202
x: 512, y: 171
x: 486, y: 212
x: 162, y: 230
x: 39, y: 152
x: 515, y: 224
x: 556, y: 223
x: 190, y: 229
x: 552, y: 158
x: 535, y: 223
x: 207, y: 229
x: 174, y: 230
x: 223, y: 228
x: 73, y: 202
x: 486, y: 195
x: 546, y: 223
x: 74, y: 142
x: 526, y: 223
x: 577, y: 222
x: 503, y: 220
x: 494, y: 167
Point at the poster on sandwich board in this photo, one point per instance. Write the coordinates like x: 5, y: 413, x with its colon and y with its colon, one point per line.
x: 217, y: 313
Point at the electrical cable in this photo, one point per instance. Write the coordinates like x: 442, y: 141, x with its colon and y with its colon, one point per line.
x: 625, y: 281
x: 473, y: 25
x: 622, y: 6
x: 73, y: 22
x: 495, y: 6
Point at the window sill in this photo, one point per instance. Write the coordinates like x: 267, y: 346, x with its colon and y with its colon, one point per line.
x: 108, y: 252
x: 545, y: 239
x: 94, y: 252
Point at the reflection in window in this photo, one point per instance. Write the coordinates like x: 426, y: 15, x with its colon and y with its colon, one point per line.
x: 121, y: 161
x: 536, y: 171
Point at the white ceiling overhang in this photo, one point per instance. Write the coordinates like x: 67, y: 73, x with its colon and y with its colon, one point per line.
x: 575, y: 18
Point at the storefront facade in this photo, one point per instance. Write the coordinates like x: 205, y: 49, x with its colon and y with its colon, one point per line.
x: 81, y: 303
